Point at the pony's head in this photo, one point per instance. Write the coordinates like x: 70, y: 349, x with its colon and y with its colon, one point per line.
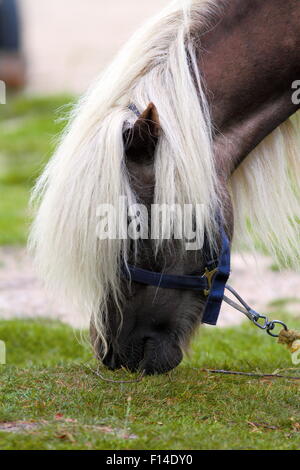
x: 164, y: 156
x: 152, y: 326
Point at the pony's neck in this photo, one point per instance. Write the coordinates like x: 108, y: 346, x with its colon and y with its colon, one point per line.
x: 249, y: 60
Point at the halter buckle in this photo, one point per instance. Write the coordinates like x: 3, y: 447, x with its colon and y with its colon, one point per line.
x: 209, y: 276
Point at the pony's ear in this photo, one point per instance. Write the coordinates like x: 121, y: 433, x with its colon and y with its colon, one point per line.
x: 141, y: 140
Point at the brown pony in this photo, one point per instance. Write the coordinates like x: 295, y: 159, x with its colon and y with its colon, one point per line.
x: 195, y: 92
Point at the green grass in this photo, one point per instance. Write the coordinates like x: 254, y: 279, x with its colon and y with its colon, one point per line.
x: 45, y: 381
x: 29, y: 127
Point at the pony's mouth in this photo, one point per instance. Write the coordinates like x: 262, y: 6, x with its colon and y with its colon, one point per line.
x: 150, y: 356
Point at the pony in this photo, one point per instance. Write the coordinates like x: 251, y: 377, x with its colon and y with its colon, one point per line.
x: 200, y: 106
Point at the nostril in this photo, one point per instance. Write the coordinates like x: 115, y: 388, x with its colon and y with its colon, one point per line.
x: 161, y: 326
x: 129, y: 355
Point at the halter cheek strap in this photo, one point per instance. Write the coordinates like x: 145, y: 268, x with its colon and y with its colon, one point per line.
x: 216, y: 293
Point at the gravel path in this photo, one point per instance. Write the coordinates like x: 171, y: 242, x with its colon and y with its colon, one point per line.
x: 22, y: 295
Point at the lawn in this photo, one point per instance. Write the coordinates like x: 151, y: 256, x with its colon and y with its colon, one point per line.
x: 47, y: 387
x: 29, y: 127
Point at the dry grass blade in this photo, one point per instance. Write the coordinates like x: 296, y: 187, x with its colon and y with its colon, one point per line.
x: 97, y: 373
x: 251, y: 374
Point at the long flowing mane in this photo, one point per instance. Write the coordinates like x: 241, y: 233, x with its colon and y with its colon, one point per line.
x: 157, y: 65
x: 266, y: 195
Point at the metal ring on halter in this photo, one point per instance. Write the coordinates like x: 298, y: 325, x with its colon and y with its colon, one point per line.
x: 271, y: 326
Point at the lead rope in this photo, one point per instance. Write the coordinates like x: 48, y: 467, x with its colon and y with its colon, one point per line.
x: 290, y: 338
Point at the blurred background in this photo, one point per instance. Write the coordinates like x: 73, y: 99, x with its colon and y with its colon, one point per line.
x: 51, y: 51
x: 67, y: 42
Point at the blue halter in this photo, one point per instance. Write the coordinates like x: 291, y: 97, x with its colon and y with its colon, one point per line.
x: 212, y: 283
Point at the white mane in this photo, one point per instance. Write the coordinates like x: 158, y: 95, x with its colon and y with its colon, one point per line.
x: 88, y: 167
